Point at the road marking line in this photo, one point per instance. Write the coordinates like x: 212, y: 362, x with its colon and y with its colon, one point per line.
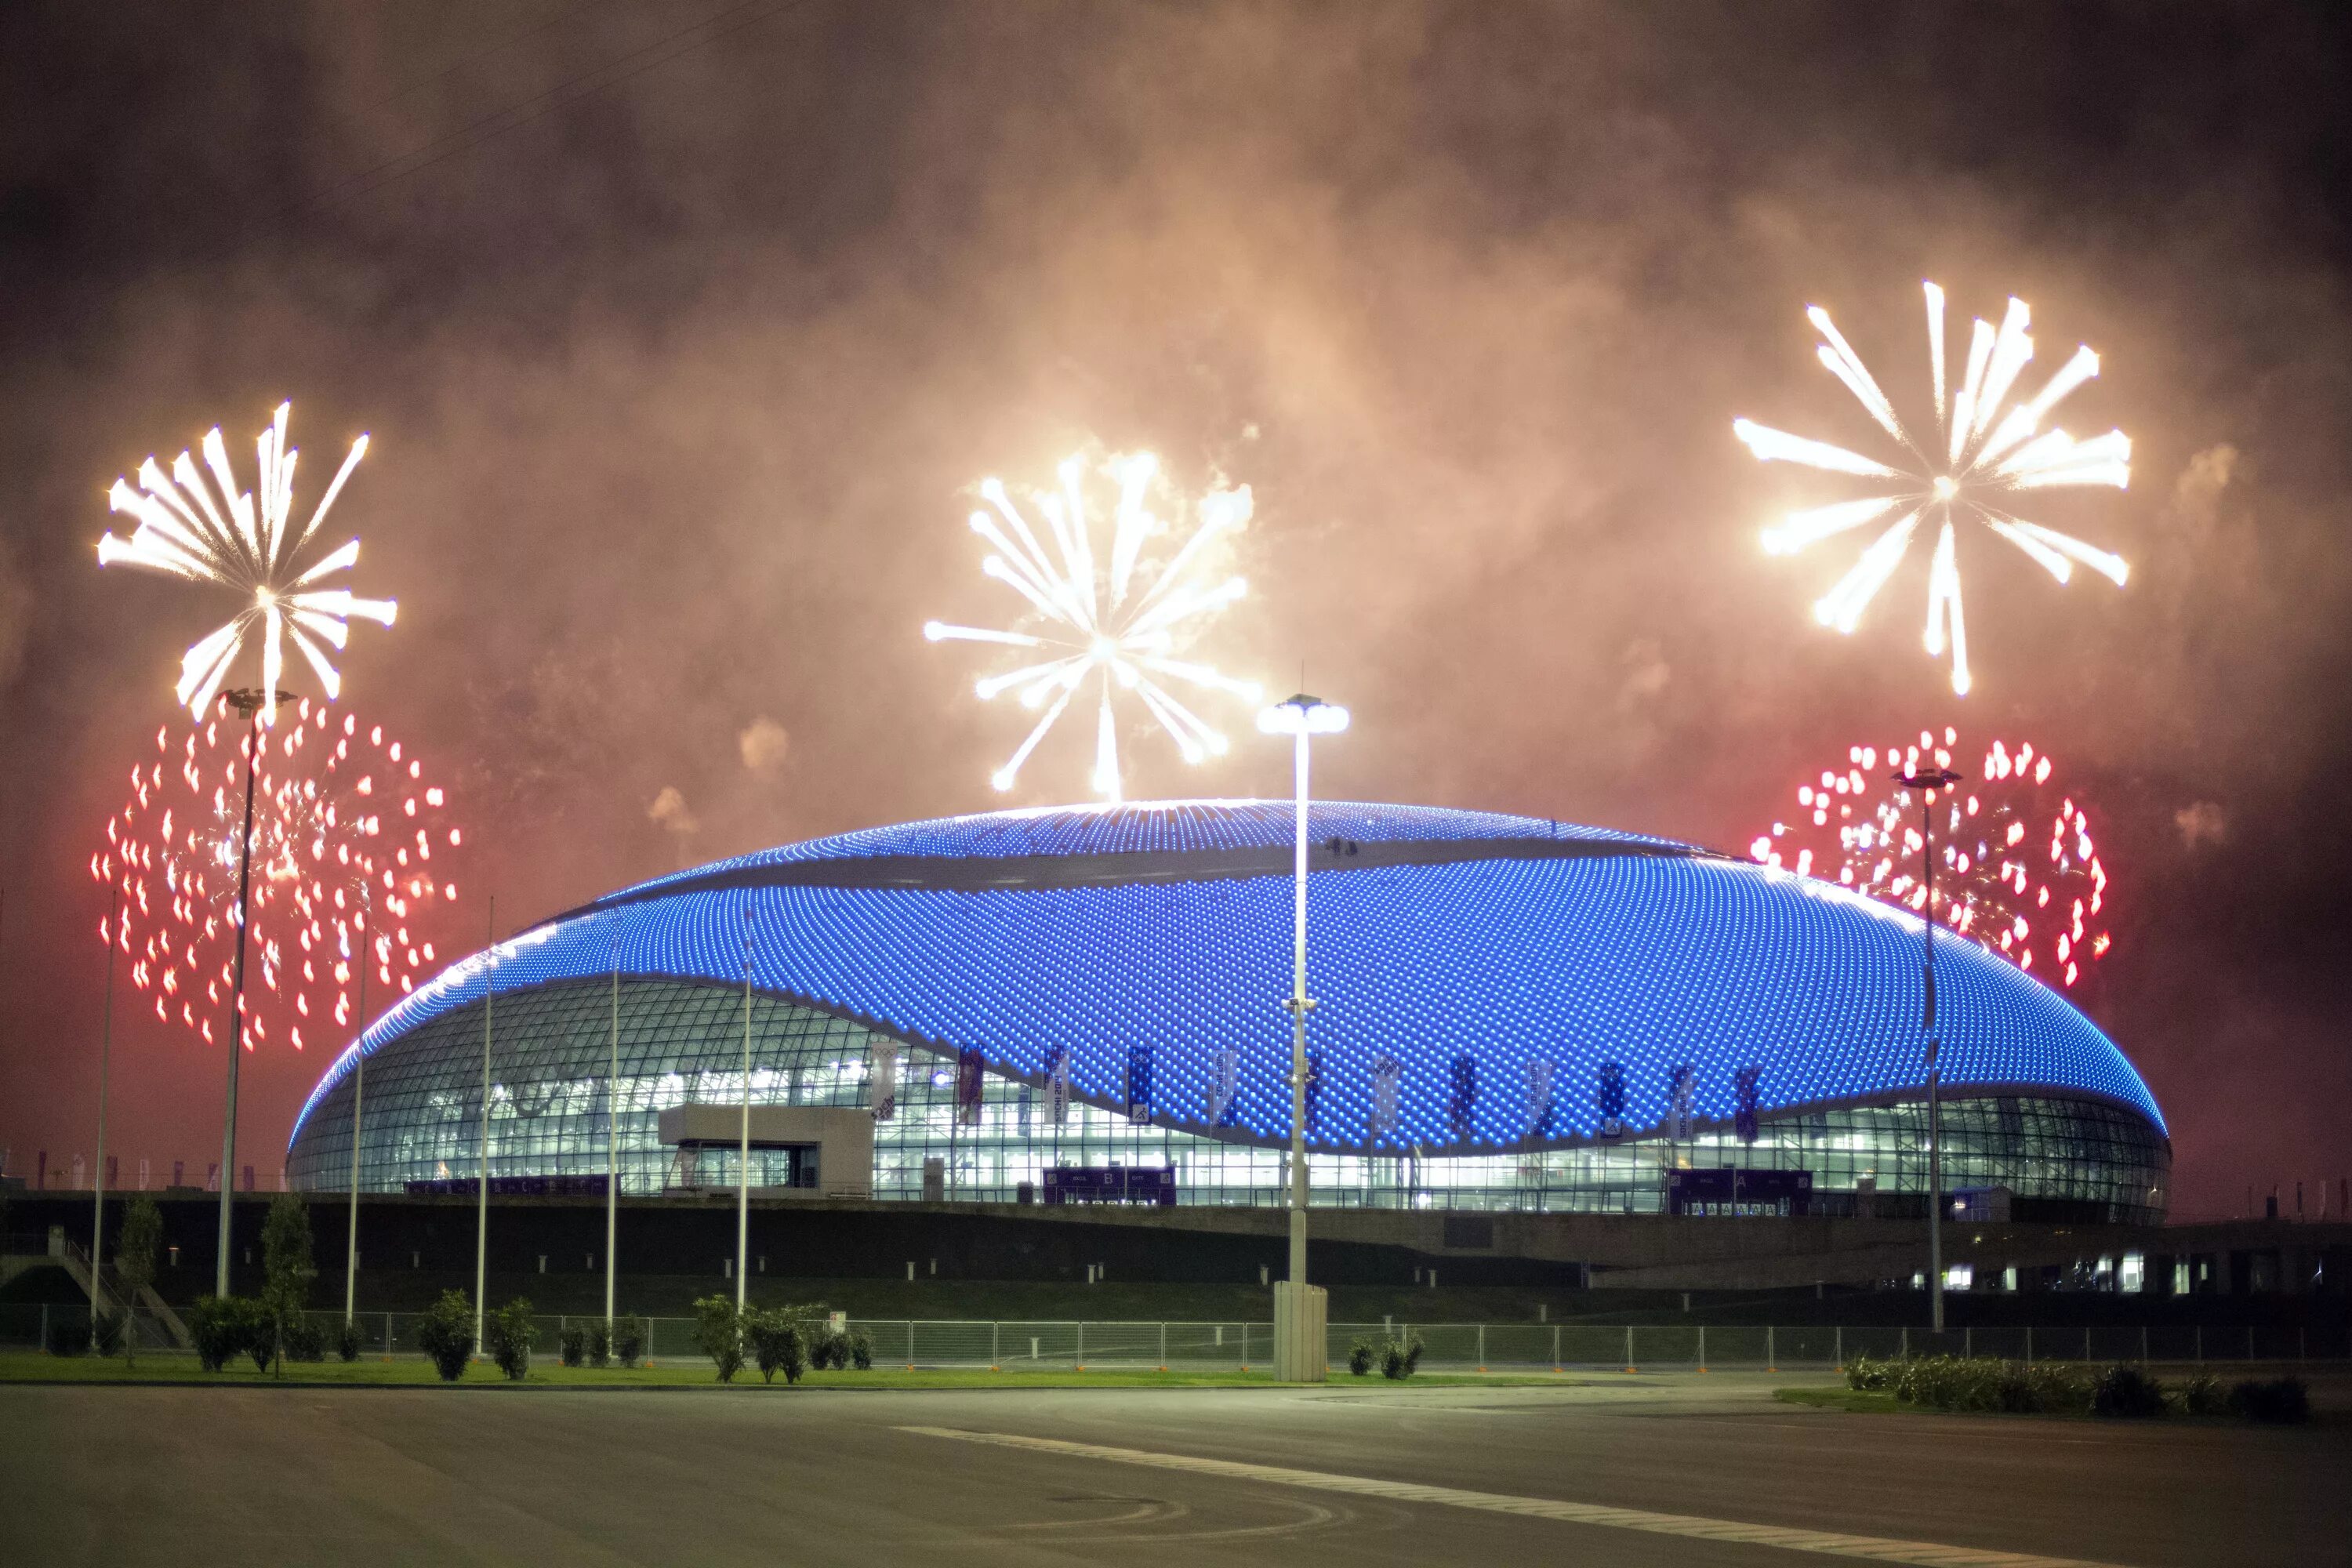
x: 1874, y: 1548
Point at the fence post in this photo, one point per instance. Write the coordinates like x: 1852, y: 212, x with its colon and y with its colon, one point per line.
x: 1555, y: 1347
x: 1906, y: 1342
x: 1702, y: 1347
x: 1969, y: 1342
x: 387, y: 1336
x: 1163, y: 1347
x: 1837, y: 1346
x: 1081, y: 1362
x: 995, y: 1346
x: 910, y: 1344
x: 1771, y: 1359
x: 45, y: 1328
x: 1629, y: 1347
x: 1482, y: 1347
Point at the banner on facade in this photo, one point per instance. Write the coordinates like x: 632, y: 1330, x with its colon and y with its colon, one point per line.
x: 882, y: 1082
x: 1057, y: 1086
x: 1744, y: 1102
x: 1682, y: 1089
x: 1612, y: 1100
x: 1139, y: 1084
x: 1462, y: 1105
x: 1225, y: 1090
x: 1387, y: 1090
x: 972, y: 1072
x: 1539, y: 1097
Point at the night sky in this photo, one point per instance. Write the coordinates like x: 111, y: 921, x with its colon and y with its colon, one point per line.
x: 683, y: 332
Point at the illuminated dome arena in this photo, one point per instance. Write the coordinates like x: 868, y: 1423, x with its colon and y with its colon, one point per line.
x: 1072, y: 990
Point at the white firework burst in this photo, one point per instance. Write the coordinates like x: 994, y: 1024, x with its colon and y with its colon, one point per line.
x: 244, y: 543
x: 1114, y: 619
x: 1984, y: 450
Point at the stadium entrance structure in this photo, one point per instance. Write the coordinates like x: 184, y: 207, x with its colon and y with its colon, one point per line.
x: 1482, y: 979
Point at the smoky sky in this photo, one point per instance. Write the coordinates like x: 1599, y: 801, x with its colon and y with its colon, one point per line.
x: 682, y: 334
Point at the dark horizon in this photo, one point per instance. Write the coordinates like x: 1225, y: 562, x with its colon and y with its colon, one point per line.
x: 682, y: 335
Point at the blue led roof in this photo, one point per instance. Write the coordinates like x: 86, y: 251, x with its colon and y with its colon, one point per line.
x: 1505, y: 939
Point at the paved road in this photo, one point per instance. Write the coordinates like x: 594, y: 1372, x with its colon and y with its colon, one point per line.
x: 1678, y: 1470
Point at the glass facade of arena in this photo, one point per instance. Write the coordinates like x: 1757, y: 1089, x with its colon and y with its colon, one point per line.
x: 552, y: 1097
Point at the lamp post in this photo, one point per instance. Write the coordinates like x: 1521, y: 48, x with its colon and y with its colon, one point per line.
x: 359, y: 1087
x: 1927, y: 784
x: 1298, y: 1335
x: 482, y: 1205
x: 105, y: 1060
x: 743, y: 1155
x: 613, y: 1145
x: 252, y: 704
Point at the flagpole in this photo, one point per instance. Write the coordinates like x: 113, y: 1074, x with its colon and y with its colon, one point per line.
x: 613, y: 1145
x: 482, y: 1209
x: 359, y: 1087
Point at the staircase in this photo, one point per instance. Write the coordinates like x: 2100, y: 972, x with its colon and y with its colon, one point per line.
x: 74, y: 1260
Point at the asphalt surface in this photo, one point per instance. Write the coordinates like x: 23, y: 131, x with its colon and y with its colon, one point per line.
x: 1708, y: 1469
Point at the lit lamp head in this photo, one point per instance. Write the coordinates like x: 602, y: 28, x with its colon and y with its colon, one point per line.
x: 1302, y: 715
x: 1941, y: 778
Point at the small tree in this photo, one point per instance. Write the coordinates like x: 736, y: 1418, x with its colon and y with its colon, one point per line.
x: 631, y: 1340
x: 509, y: 1335
x: 287, y: 1267
x: 719, y: 1334
x: 447, y: 1334
x: 134, y: 1260
x: 600, y: 1343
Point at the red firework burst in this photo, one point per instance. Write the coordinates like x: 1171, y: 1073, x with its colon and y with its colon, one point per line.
x: 351, y: 854
x: 2017, y: 868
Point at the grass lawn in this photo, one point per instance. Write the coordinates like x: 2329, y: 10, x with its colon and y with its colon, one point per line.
x: 32, y: 1366
x: 1872, y: 1402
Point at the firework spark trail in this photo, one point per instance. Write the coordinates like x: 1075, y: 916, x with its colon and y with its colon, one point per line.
x: 229, y: 540
x: 1978, y: 454
x: 1112, y: 617
x: 2018, y: 872
x: 351, y: 852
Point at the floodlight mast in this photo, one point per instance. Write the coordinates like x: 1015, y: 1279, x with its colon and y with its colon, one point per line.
x: 1927, y: 784
x: 1300, y: 717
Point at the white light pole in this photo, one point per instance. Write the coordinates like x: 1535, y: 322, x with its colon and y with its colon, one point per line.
x: 359, y: 1087
x: 1299, y: 1354
x: 1927, y: 784
x: 482, y: 1209
x: 613, y: 1145
x: 743, y: 1155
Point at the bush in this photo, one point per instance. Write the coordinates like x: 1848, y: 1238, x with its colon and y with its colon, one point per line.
x: 222, y: 1328
x: 447, y: 1334
x: 509, y: 1335
x: 1399, y: 1361
x: 861, y: 1352
x: 600, y: 1343
x: 302, y: 1340
x: 777, y: 1343
x: 2126, y: 1392
x: 347, y: 1341
x: 572, y: 1344
x: 1359, y: 1358
x: 719, y: 1334
x: 2283, y: 1401
x: 1864, y: 1375
x: 629, y: 1341
x: 2202, y: 1395
x: 831, y: 1352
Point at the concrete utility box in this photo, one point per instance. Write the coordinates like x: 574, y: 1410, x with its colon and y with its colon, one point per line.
x: 838, y: 1141
x: 1300, y: 1317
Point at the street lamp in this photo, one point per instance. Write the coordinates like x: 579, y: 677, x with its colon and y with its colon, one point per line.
x: 1299, y: 1353
x: 359, y: 1089
x: 1927, y: 784
x: 251, y: 704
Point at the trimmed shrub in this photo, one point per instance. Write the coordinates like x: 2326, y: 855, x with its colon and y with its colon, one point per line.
x: 1359, y: 1358
x: 1412, y: 1357
x: 600, y: 1343
x: 302, y: 1340
x: 777, y: 1343
x: 719, y: 1334
x: 1399, y: 1361
x: 223, y: 1329
x: 509, y: 1335
x: 572, y: 1344
x: 861, y: 1352
x: 347, y: 1341
x: 2126, y: 1392
x: 447, y: 1334
x: 2283, y: 1401
x: 630, y: 1341
x: 1864, y: 1375
x: 2202, y: 1395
